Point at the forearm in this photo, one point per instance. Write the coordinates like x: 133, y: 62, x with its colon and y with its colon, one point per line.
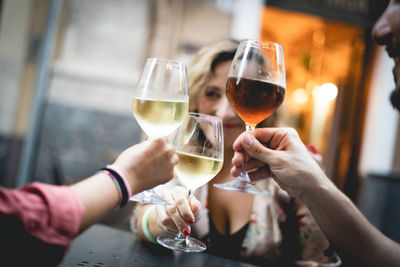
x: 348, y: 230
x: 99, y: 195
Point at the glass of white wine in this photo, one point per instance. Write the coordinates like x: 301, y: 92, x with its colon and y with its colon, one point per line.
x: 160, y: 103
x: 199, y: 143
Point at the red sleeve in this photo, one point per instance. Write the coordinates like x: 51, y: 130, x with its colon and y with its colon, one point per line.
x: 49, y: 213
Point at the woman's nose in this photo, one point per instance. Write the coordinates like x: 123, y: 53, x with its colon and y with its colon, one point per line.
x: 224, y: 109
x: 381, y: 31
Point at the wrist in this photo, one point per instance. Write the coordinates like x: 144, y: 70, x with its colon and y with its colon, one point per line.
x: 121, y: 182
x: 130, y: 182
x: 313, y: 191
x: 145, y: 223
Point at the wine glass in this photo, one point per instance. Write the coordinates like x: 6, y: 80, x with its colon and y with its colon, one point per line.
x: 255, y: 88
x: 160, y: 103
x: 199, y: 143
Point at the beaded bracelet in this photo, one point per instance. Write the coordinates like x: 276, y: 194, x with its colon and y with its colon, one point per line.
x: 123, y: 186
x: 145, y: 225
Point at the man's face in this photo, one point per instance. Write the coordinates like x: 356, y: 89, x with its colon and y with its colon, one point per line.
x: 386, y: 31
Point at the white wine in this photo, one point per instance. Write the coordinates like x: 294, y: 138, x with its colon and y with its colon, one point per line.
x: 194, y: 171
x: 159, y: 117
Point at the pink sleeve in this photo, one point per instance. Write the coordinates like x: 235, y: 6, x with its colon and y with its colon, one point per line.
x: 48, y: 212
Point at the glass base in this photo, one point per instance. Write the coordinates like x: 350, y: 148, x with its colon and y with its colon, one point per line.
x: 149, y: 197
x: 181, y: 243
x: 241, y: 184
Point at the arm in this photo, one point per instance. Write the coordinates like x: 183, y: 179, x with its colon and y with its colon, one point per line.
x: 355, y: 239
x: 281, y: 153
x: 55, y: 214
x: 144, y: 166
x: 41, y: 220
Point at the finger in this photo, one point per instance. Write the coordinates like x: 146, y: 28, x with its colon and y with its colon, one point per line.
x: 256, y: 169
x: 236, y: 171
x: 274, y: 137
x: 174, y: 159
x: 265, y: 135
x: 260, y: 173
x: 238, y: 159
x: 182, y: 203
x: 255, y: 149
x: 237, y: 145
x: 159, y: 142
x: 164, y: 221
x: 252, y: 163
x: 175, y: 216
x: 195, y: 206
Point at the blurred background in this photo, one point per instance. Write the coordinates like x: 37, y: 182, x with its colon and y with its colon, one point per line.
x: 68, y: 69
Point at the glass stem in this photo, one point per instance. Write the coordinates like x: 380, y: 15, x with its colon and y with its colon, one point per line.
x: 179, y: 235
x: 190, y: 193
x: 249, y: 129
x: 147, y: 194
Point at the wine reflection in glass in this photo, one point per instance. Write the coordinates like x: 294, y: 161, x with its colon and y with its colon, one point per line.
x: 199, y: 143
x: 255, y: 88
x: 160, y: 103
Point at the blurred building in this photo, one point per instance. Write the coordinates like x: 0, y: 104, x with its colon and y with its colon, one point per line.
x: 338, y: 81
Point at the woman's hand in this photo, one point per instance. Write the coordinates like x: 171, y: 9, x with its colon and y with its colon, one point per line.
x: 147, y: 164
x: 278, y: 152
x: 177, y: 217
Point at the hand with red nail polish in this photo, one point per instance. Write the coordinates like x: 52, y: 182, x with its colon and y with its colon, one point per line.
x: 173, y: 218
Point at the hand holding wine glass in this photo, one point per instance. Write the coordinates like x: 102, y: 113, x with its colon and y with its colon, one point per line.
x: 200, y: 146
x: 160, y: 103
x: 178, y: 217
x: 255, y: 88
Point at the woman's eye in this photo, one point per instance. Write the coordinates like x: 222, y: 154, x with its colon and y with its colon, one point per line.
x: 212, y: 94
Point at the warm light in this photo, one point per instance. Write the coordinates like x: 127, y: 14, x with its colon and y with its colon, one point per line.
x: 326, y: 92
x: 319, y: 38
x: 310, y: 85
x: 300, y: 96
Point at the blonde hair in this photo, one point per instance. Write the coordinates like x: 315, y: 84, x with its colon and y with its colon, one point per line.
x: 202, y: 67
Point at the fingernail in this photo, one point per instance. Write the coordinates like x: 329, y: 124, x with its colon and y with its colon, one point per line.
x: 186, y: 232
x: 248, y: 140
x: 191, y: 221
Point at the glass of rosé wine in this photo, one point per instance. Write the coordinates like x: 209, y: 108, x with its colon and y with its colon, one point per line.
x: 255, y: 88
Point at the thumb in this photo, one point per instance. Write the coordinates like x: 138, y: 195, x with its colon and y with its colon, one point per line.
x: 255, y: 149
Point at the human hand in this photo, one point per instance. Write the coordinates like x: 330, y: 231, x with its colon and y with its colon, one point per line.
x: 278, y: 152
x: 147, y: 164
x: 177, y: 217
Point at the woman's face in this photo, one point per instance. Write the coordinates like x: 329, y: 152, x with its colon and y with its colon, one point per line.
x: 213, y: 101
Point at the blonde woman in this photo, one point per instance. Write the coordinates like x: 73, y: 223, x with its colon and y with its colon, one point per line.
x: 252, y: 228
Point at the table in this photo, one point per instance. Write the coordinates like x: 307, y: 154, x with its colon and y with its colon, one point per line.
x: 104, y: 246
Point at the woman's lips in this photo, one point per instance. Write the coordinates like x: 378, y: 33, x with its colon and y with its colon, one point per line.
x: 232, y: 125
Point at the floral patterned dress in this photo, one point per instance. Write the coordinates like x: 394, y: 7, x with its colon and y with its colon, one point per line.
x: 281, y: 230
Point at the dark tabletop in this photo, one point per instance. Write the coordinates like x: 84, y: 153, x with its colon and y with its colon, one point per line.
x: 104, y: 246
